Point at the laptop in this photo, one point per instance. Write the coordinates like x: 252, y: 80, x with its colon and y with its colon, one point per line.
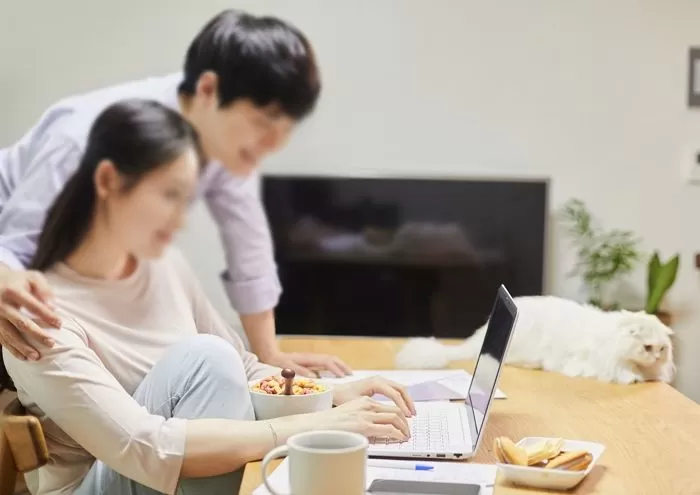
x: 453, y: 430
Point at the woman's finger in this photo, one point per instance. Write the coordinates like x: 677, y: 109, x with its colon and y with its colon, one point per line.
x: 385, y: 408
x: 395, y: 395
x: 379, y: 406
x: 386, y: 431
x: 404, y: 395
x: 393, y: 419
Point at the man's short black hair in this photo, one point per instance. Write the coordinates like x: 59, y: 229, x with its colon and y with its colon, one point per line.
x: 261, y: 58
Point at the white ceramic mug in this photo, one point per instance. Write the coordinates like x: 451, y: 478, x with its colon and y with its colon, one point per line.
x: 323, y: 463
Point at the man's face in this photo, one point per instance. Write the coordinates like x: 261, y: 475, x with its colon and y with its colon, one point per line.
x: 241, y: 134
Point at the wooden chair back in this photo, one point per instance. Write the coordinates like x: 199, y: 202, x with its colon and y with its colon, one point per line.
x: 22, y: 445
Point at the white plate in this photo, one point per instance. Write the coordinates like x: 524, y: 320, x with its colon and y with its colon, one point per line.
x: 555, y: 479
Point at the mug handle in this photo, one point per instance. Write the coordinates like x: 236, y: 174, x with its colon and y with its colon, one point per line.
x: 275, y: 453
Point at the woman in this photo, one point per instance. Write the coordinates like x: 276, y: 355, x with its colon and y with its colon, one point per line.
x: 146, y: 389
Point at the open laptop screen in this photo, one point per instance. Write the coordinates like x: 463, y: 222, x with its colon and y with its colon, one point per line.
x: 487, y: 369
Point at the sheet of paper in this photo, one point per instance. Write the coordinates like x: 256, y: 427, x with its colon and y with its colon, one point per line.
x: 422, y: 385
x: 451, y: 472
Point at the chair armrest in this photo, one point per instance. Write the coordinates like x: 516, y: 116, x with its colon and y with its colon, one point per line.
x: 25, y: 437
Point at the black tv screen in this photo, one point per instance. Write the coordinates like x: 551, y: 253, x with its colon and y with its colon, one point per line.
x: 402, y: 257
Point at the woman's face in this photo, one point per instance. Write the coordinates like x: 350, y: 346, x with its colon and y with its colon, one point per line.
x: 145, y: 217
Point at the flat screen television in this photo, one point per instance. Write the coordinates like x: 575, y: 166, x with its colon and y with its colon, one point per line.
x: 400, y: 256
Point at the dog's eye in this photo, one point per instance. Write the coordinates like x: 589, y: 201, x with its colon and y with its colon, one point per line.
x: 648, y: 348
x: 662, y: 348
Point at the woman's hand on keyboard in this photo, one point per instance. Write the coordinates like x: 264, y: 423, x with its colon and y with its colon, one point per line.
x: 375, y: 386
x: 368, y: 417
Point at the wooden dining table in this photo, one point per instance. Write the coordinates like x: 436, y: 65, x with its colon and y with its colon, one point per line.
x: 651, y: 431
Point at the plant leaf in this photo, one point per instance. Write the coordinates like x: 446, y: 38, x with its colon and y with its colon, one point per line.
x: 666, y: 276
x: 653, y: 273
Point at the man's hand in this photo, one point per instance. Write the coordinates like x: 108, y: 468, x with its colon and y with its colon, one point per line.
x: 30, y: 291
x: 307, y: 364
x: 260, y: 330
x: 375, y: 385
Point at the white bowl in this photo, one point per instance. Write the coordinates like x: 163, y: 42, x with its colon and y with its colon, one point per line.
x: 553, y: 479
x: 267, y: 406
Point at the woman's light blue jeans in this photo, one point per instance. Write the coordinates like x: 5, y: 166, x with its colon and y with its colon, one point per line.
x: 201, y: 377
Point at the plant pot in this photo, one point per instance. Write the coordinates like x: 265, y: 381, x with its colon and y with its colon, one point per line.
x: 664, y: 317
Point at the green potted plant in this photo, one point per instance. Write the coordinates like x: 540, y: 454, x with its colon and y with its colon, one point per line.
x: 602, y: 255
x: 660, y: 278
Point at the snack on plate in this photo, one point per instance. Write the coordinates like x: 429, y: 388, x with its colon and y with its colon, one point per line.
x: 571, y: 461
x: 544, y: 451
x: 274, y: 385
x: 546, y: 454
x: 509, y: 453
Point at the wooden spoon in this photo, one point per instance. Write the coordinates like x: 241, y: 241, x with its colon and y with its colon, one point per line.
x: 288, y: 375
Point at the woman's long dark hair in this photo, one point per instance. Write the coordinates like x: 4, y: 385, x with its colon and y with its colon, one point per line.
x: 138, y: 136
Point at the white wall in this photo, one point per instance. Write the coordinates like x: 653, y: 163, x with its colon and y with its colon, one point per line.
x: 588, y: 92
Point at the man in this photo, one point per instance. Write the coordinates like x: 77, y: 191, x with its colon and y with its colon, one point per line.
x: 246, y: 82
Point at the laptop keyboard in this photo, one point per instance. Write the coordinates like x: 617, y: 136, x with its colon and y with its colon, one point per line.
x: 433, y: 429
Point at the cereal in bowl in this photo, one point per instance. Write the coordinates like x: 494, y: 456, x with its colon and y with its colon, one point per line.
x: 274, y: 385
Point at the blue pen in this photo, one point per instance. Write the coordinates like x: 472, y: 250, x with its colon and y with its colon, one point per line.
x: 388, y: 464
